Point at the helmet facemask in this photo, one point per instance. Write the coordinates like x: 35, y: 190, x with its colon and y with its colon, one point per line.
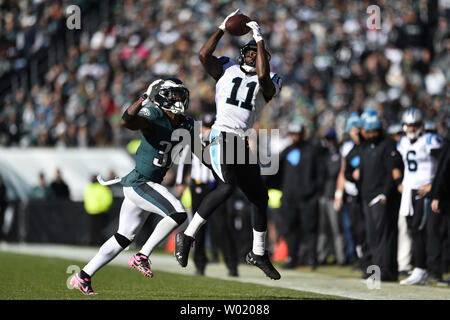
x: 413, y: 135
x: 412, y: 117
x: 173, y: 97
x: 241, y: 59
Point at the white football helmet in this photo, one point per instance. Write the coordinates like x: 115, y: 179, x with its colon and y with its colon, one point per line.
x: 172, y: 96
x: 412, y: 116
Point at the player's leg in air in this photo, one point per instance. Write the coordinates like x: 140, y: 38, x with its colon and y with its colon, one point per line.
x: 139, y: 201
x: 229, y: 176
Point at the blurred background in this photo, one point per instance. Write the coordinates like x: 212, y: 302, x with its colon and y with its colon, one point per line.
x: 63, y: 91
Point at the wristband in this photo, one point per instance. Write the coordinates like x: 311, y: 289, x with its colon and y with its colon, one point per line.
x: 338, y: 194
x: 127, y: 117
x: 143, y: 97
x: 398, y: 181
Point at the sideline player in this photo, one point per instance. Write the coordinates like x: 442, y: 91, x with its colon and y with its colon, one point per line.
x: 419, y: 151
x: 242, y: 91
x: 142, y: 187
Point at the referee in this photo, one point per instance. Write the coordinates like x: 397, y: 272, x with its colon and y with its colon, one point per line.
x: 219, y: 227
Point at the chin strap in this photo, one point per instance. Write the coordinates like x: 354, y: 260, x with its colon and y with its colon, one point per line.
x: 248, y: 68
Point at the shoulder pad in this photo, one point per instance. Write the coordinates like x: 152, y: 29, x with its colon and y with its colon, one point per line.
x: 432, y: 136
x: 224, y: 60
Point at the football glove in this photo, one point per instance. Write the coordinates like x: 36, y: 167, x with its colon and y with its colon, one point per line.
x: 152, y: 91
x: 222, y: 26
x: 256, y: 29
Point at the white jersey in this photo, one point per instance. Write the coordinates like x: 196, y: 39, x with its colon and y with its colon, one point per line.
x: 349, y: 187
x: 239, y: 101
x: 420, y: 166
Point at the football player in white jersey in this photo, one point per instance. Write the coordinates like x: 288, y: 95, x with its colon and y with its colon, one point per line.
x: 419, y: 152
x: 243, y: 88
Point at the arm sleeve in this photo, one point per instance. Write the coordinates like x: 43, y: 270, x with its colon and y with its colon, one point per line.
x: 352, y: 162
x: 390, y: 154
x: 277, y: 81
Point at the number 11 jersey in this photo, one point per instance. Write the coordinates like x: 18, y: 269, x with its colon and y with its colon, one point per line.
x: 239, y: 101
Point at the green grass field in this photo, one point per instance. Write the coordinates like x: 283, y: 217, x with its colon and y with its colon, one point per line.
x: 26, y: 277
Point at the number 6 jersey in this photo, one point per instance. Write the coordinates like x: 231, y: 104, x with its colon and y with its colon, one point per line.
x: 419, y: 163
x: 239, y: 101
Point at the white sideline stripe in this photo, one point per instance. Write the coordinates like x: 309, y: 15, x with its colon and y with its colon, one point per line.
x: 291, y: 279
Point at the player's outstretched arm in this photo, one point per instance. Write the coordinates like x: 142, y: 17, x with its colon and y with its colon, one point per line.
x: 130, y: 118
x: 262, y: 64
x: 211, y: 63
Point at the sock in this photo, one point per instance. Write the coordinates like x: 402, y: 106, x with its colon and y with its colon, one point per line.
x: 84, y: 275
x: 196, y: 223
x: 162, y: 229
x: 259, y: 242
x: 108, y: 251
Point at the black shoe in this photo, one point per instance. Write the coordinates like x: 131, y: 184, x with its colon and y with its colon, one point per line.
x: 233, y: 273
x: 404, y: 273
x: 263, y: 262
x: 443, y: 282
x: 200, y: 272
x: 183, y: 244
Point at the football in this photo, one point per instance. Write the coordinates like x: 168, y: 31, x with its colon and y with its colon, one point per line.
x: 236, y: 25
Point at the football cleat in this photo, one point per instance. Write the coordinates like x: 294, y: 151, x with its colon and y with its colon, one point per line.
x: 263, y: 262
x: 84, y: 285
x: 183, y: 244
x: 142, y: 264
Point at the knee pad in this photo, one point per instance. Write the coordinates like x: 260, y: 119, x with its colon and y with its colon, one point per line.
x: 122, y: 240
x: 178, y: 217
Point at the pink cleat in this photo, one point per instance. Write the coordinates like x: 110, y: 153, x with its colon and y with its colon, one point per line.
x: 84, y: 285
x: 141, y: 263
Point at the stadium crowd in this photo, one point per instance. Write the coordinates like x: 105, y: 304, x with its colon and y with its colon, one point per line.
x: 330, y: 62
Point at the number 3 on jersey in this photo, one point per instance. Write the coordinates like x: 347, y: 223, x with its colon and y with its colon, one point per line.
x: 165, y: 155
x: 247, y: 104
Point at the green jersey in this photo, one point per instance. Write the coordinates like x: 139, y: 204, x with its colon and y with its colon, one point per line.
x: 153, y: 157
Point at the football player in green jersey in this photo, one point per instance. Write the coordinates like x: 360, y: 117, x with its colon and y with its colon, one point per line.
x: 157, y: 114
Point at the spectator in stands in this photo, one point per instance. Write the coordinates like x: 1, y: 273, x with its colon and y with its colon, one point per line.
x: 59, y: 186
x: 342, y: 66
x: 42, y: 191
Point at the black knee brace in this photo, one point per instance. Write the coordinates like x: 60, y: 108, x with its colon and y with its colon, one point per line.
x: 122, y: 240
x: 178, y: 217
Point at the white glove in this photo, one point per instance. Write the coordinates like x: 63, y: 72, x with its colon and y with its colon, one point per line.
x: 152, y: 91
x: 256, y: 30
x: 222, y: 26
